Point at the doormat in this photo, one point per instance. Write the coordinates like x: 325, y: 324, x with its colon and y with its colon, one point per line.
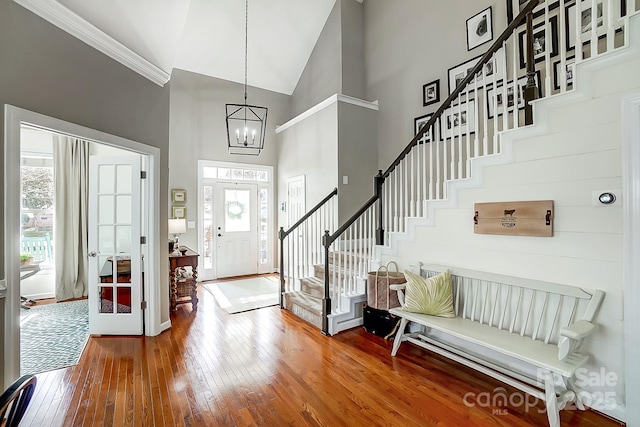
x: 53, y: 336
x: 235, y: 296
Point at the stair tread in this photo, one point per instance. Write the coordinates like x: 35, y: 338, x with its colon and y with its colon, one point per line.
x: 305, y: 300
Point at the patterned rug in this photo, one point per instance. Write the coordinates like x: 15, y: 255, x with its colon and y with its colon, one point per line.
x: 235, y: 296
x: 53, y: 336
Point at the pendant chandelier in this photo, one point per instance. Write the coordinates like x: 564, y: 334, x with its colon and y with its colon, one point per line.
x: 246, y: 124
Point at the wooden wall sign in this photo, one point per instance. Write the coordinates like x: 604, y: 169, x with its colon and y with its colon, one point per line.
x: 514, y: 218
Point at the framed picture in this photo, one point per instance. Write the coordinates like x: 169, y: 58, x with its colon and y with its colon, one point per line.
x: 459, y: 119
x: 431, y: 93
x: 493, y: 70
x: 514, y: 7
x: 419, y: 122
x: 569, y: 66
x: 541, y: 41
x: 178, y: 196
x: 479, y: 29
x: 496, y: 98
x: 585, y: 23
x: 179, y: 211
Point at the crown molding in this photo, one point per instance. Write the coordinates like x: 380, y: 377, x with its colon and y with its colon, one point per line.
x: 73, y: 24
x: 324, y: 104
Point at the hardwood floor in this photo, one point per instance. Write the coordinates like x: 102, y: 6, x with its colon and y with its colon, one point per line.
x: 267, y: 368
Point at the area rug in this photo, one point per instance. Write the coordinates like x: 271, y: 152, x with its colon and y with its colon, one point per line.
x: 53, y: 336
x: 235, y: 296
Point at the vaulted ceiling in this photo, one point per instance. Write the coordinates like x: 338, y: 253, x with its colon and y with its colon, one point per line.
x: 207, y: 37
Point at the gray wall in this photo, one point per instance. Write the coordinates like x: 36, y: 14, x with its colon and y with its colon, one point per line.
x: 198, y: 131
x: 321, y: 76
x: 336, y: 64
x: 43, y: 69
x: 409, y: 43
x: 352, y: 46
x: 357, y: 157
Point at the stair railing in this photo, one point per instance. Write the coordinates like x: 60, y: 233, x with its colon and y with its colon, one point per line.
x: 491, y: 97
x: 301, y: 245
x: 421, y: 170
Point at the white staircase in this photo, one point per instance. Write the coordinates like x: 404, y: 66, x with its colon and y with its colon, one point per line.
x: 572, y: 153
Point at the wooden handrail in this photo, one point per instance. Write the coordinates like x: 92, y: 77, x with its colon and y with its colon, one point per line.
x: 329, y: 239
x: 284, y: 233
x: 470, y: 76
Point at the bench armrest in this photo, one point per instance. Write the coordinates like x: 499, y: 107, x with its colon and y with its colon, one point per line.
x: 578, y: 330
x: 571, y: 336
x: 400, y: 287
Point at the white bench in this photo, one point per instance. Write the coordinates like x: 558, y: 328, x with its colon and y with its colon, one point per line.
x: 523, y: 332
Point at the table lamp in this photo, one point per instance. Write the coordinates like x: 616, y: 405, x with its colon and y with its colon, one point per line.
x: 177, y: 226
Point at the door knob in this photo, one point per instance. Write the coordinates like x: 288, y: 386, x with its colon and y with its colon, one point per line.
x: 93, y: 254
x: 219, y: 235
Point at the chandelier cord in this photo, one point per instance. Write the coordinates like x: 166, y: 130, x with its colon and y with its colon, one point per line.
x: 246, y: 37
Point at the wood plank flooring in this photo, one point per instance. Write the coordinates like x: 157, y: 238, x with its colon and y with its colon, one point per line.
x: 267, y: 368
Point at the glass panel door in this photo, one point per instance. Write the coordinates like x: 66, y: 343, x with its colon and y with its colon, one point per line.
x: 115, y: 276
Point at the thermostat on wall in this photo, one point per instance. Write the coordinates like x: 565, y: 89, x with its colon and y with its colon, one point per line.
x: 606, y: 197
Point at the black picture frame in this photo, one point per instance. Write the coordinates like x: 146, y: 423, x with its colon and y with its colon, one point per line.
x: 459, y: 119
x: 480, y: 28
x: 431, y: 93
x: 539, y: 37
x: 457, y: 73
x: 514, y: 7
x: 522, y: 82
x: 570, y: 20
x: 570, y: 72
x: 420, y: 121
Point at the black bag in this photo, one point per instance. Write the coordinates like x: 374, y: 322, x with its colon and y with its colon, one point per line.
x: 379, y: 322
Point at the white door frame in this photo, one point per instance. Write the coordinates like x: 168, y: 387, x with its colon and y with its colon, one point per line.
x: 269, y: 267
x: 14, y: 119
x: 631, y: 254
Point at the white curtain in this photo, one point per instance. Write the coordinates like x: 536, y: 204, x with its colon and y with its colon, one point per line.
x: 71, y: 176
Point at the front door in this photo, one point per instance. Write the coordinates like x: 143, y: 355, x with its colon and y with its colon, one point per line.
x: 115, y: 262
x: 235, y: 229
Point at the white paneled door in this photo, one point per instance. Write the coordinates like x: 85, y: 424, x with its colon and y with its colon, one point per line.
x: 235, y: 229
x: 115, y: 261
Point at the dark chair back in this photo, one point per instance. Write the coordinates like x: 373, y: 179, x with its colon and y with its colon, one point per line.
x: 15, y: 399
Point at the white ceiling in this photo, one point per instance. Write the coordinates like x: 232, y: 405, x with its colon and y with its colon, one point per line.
x: 207, y: 36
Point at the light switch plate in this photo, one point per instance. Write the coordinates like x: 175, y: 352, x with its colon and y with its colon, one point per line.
x: 191, y: 224
x: 345, y: 179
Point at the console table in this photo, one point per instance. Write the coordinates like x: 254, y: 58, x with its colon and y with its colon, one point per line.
x: 183, y: 289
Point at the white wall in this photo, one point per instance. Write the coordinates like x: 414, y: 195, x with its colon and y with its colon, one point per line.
x: 575, y: 152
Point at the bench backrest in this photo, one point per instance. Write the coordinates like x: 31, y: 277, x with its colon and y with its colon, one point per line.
x: 527, y: 307
x: 39, y: 247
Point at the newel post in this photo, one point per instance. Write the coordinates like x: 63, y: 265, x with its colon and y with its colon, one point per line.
x: 281, y: 236
x: 530, y: 90
x: 378, y: 182
x: 326, y: 300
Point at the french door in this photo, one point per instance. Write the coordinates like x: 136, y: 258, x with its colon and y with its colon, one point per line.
x: 115, y: 262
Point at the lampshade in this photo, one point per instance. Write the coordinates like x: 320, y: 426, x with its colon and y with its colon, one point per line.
x: 177, y: 226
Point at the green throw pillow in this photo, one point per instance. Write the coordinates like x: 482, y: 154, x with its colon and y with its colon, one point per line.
x: 429, y: 296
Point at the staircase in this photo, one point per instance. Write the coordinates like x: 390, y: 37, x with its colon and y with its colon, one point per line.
x: 306, y: 303
x: 443, y: 158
